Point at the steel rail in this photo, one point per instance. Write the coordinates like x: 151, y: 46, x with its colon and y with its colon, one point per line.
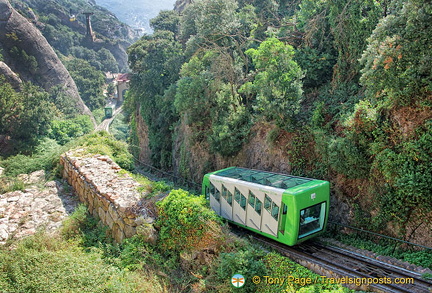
x: 342, y: 264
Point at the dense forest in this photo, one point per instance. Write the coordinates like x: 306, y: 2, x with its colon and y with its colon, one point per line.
x: 339, y: 90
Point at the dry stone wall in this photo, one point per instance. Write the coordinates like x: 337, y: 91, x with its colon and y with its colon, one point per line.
x: 109, y: 193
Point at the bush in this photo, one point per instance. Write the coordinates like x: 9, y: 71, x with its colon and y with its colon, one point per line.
x: 247, y: 262
x: 105, y: 144
x: 64, y: 131
x: 45, y: 157
x: 186, y: 223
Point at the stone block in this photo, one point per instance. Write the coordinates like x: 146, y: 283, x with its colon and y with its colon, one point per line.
x: 117, y: 234
x: 108, y: 220
x: 105, y: 203
x: 129, y: 231
x: 113, y: 213
x: 121, y: 223
x: 102, y: 215
x: 148, y: 232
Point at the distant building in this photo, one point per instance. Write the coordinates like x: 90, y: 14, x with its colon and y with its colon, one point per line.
x: 122, y: 85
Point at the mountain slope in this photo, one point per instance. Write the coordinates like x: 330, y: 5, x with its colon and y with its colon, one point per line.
x: 28, y: 53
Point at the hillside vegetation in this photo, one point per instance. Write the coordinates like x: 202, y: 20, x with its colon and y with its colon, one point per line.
x: 339, y: 90
x: 50, y: 74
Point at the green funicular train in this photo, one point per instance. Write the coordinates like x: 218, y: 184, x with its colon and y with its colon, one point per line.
x: 288, y: 209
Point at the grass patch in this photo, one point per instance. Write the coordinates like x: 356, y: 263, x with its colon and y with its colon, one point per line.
x: 42, y: 263
x: 45, y: 157
x: 104, y: 143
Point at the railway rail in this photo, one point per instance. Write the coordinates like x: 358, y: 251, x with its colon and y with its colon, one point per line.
x: 351, y: 269
x: 105, y: 124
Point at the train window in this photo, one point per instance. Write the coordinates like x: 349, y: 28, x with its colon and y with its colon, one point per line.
x: 251, y: 199
x: 275, y: 211
x: 229, y: 197
x: 267, y: 203
x: 285, y: 209
x: 215, y: 192
x: 243, y: 201
x: 224, y: 191
x: 212, y: 189
x: 312, y: 219
x: 258, y: 205
x: 237, y: 195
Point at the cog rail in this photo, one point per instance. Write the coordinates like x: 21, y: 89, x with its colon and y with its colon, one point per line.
x: 351, y: 269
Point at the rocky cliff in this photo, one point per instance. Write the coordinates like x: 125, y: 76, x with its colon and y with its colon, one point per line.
x: 28, y: 54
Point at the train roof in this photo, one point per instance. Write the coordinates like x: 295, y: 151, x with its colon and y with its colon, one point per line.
x: 276, y: 180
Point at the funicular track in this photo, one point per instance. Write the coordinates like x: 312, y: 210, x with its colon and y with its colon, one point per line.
x: 351, y: 269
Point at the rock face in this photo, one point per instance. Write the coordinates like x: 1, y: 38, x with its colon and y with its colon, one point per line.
x: 110, y: 195
x: 11, y: 77
x: 27, y: 52
x: 23, y: 212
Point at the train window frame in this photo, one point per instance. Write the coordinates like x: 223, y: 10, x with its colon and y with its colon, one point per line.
x: 243, y: 201
x: 229, y: 197
x: 251, y: 199
x: 237, y: 195
x: 267, y: 203
x: 216, y: 192
x: 274, y: 214
x: 224, y: 191
x: 258, y: 206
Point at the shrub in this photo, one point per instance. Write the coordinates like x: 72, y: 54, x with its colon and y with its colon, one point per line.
x: 45, y: 157
x: 247, y: 262
x: 105, y: 144
x: 64, y: 131
x: 186, y: 223
x: 43, y: 263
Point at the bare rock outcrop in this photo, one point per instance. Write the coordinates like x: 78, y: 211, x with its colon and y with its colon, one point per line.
x: 11, y: 77
x: 27, y: 52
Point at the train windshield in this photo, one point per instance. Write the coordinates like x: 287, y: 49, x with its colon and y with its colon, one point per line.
x: 312, y: 219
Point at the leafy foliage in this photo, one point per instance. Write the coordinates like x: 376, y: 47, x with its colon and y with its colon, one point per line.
x: 185, y: 222
x: 64, y: 131
x: 90, y: 82
x: 44, y: 263
x: 24, y: 115
x: 158, y: 59
x: 277, y: 82
x: 105, y: 144
x: 346, y: 83
x: 45, y: 157
x: 396, y: 62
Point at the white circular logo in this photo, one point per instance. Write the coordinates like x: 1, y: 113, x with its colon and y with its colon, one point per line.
x: 238, y: 281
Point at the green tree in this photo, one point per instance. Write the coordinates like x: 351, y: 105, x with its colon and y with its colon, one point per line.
x: 277, y: 82
x: 156, y: 60
x: 397, y: 65
x: 90, y: 82
x: 25, y: 115
x: 167, y: 20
